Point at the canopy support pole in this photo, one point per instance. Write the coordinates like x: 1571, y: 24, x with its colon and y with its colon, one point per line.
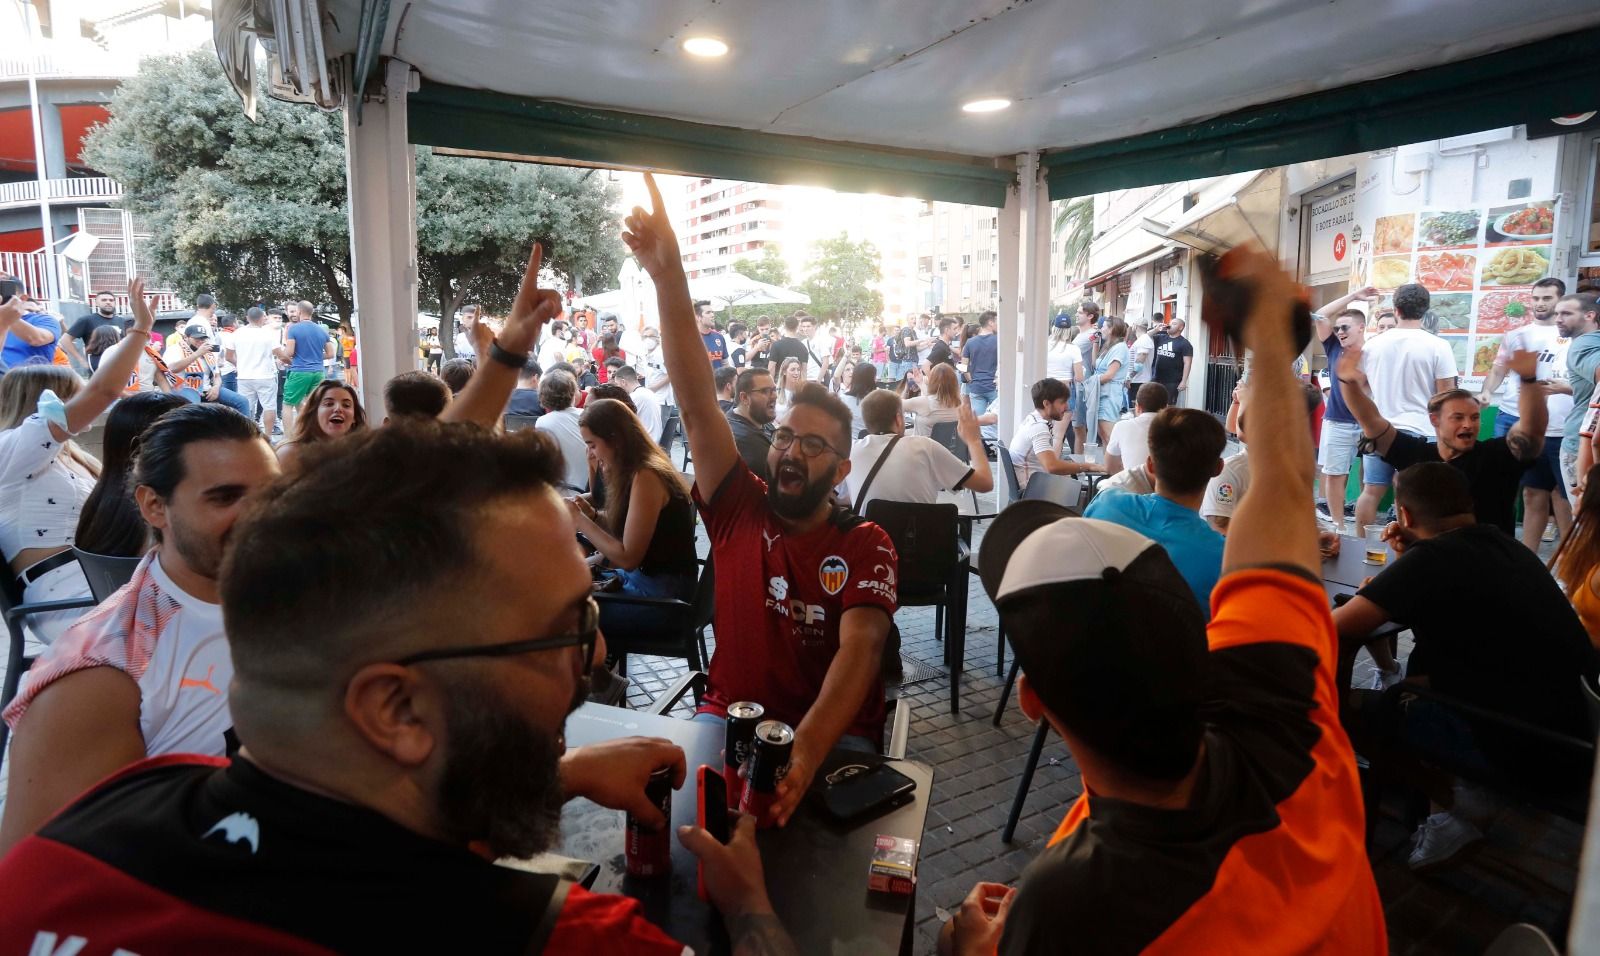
x: 1035, y: 299
x: 1012, y: 394
x: 381, y: 168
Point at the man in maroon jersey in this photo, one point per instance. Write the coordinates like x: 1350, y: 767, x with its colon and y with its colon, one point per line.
x: 805, y: 592
x: 400, y: 693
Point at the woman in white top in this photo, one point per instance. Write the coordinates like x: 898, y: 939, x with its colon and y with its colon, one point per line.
x: 940, y: 402
x: 791, y: 376
x: 44, y: 475
x: 1063, y: 361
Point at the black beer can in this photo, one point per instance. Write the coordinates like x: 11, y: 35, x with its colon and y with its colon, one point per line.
x: 743, y: 716
x: 649, y: 849
x: 769, y: 761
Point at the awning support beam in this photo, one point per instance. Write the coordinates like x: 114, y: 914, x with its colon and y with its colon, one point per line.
x: 380, y: 165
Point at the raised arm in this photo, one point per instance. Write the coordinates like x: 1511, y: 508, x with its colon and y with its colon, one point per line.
x: 486, y: 393
x: 971, y: 434
x: 1321, y: 316
x: 1272, y: 525
x: 116, y: 366
x: 30, y: 334
x: 649, y: 236
x: 1354, y: 391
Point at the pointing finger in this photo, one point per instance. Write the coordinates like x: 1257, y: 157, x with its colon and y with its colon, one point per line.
x: 655, y: 195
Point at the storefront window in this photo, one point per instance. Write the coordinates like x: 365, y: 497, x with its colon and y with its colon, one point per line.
x: 1592, y: 246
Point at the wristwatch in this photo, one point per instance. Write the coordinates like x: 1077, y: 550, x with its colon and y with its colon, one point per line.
x: 508, y: 359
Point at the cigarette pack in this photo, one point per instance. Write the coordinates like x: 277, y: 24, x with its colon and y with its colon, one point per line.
x: 894, y: 865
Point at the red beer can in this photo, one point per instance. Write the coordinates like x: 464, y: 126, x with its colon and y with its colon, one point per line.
x: 769, y: 761
x: 649, y: 849
x: 743, y: 716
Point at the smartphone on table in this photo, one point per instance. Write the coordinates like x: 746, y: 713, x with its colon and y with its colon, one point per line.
x: 712, y: 814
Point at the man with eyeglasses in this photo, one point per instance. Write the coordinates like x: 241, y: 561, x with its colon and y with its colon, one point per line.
x: 755, y: 406
x: 805, y: 593
x: 401, y: 722
x: 1341, y: 433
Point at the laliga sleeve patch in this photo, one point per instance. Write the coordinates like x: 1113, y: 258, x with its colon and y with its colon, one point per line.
x: 1225, y: 493
x: 834, y: 573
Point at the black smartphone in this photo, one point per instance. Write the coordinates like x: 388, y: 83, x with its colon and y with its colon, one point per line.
x: 9, y: 288
x: 713, y: 812
x: 854, y: 791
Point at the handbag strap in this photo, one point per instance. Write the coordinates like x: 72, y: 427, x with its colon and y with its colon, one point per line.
x: 855, y: 506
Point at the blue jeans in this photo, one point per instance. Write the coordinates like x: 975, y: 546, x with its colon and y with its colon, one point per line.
x: 982, y: 399
x: 853, y: 742
x: 225, y: 396
x: 624, y: 619
x: 1504, y: 422
x: 230, y: 381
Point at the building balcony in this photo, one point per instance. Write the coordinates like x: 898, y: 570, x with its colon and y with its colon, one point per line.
x: 83, y: 190
x: 71, y: 65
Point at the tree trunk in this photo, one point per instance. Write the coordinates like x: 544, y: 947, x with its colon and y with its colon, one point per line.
x: 447, y: 318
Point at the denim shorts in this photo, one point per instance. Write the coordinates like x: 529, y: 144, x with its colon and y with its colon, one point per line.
x: 1376, y: 471
x: 1338, y: 446
x: 1545, y: 472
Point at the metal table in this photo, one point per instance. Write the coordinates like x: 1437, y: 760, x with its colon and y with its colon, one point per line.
x: 816, y: 870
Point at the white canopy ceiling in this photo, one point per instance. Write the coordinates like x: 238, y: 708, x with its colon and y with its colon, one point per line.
x: 895, y: 72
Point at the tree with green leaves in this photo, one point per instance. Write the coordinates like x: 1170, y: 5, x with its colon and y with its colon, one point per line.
x: 770, y: 268
x: 1075, y: 225
x: 258, y: 211
x: 840, y: 278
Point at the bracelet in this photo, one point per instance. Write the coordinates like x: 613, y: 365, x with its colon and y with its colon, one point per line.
x: 1530, y: 381
x: 508, y: 359
x: 144, y: 332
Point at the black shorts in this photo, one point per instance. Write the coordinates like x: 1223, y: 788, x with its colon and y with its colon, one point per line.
x: 1545, y: 472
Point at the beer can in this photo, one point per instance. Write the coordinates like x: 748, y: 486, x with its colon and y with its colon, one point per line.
x: 649, y: 849
x: 743, y: 716
x: 769, y: 761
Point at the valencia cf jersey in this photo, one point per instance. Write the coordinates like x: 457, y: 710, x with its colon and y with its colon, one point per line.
x: 192, y: 855
x: 780, y: 598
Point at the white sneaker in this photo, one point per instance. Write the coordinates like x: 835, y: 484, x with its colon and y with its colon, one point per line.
x: 1383, y: 680
x: 1440, y: 838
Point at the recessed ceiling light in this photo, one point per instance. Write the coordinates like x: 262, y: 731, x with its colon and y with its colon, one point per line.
x: 986, y: 106
x: 704, y: 46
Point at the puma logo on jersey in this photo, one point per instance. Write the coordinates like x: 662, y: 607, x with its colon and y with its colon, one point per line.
x: 204, y: 684
x: 238, y: 828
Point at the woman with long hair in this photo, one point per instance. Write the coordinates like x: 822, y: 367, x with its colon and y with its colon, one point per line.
x: 110, y: 522
x: 100, y: 339
x: 863, y: 382
x: 791, y: 378
x: 940, y: 401
x: 44, y: 476
x: 1111, y: 373
x: 1576, y: 562
x: 332, y: 411
x: 645, y: 530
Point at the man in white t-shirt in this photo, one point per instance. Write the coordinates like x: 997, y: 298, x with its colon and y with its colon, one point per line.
x: 1405, y: 367
x: 645, y: 403
x: 258, y: 369
x: 1036, y: 446
x: 146, y: 672
x: 918, y: 468
x: 557, y: 390
x: 1129, y: 445
x: 1141, y: 356
x: 1543, y: 492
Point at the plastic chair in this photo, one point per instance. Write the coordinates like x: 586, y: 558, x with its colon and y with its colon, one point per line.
x: 933, y: 570
x: 106, y: 572
x: 1061, y: 489
x: 679, y: 628
x: 1002, y: 464
x: 15, y: 610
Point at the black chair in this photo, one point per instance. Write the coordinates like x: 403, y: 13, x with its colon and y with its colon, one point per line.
x: 14, y: 609
x: 1002, y: 463
x: 1027, y: 779
x: 671, y: 432
x: 933, y: 570
x: 106, y: 572
x: 516, y: 423
x: 679, y: 627
x: 1061, y: 489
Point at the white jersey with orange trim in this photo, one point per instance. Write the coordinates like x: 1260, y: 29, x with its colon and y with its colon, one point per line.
x: 169, y: 643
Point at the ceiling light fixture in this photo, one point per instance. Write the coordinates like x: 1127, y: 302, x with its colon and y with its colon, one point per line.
x: 705, y: 46
x: 985, y: 106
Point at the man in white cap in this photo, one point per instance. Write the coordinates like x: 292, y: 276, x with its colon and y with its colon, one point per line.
x: 1215, y: 770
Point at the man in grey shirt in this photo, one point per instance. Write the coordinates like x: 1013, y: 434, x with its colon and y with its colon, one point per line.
x: 755, y: 406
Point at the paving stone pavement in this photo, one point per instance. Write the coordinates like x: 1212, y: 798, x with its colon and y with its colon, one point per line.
x: 1526, y: 870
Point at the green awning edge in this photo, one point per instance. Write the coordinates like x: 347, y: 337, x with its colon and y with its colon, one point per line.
x: 459, y: 118
x: 1551, y: 77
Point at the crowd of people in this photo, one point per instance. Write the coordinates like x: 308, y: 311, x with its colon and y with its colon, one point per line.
x: 349, y: 654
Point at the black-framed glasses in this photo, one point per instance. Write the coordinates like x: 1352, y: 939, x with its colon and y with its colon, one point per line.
x: 810, y: 445
x: 585, y: 637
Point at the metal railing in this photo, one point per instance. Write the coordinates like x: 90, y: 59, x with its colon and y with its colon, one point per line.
x: 55, y: 64
x: 30, y: 267
x: 93, y: 188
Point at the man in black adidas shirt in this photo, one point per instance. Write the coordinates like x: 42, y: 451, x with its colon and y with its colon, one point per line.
x: 401, y: 721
